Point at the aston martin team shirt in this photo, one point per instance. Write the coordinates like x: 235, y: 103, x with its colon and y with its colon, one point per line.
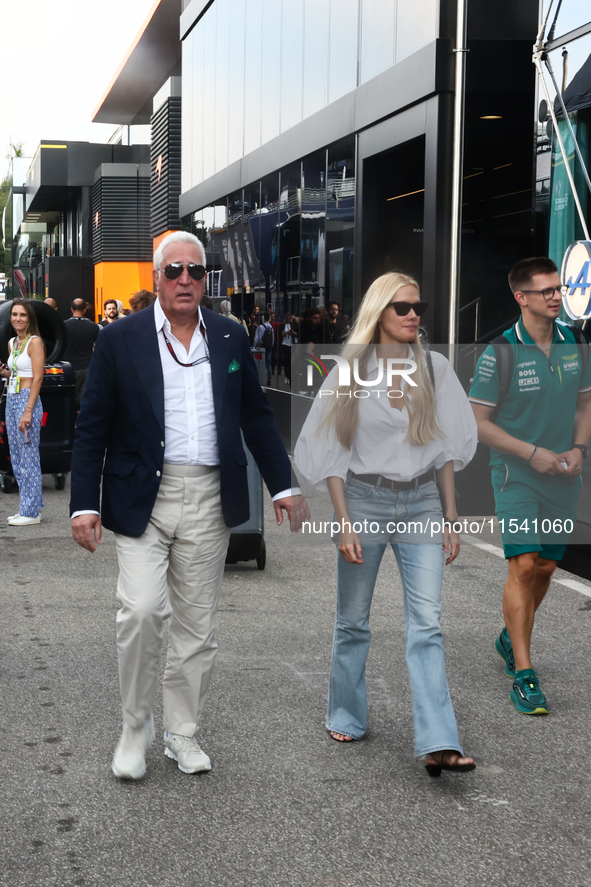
x: 540, y: 405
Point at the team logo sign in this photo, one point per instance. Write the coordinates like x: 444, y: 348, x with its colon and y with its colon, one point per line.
x: 576, y: 280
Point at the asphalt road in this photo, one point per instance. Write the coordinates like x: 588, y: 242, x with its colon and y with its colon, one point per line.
x: 284, y: 805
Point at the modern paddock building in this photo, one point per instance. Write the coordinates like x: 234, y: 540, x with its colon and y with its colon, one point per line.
x: 313, y: 144
x: 322, y: 142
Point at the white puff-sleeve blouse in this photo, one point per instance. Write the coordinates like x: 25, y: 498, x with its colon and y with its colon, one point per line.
x: 380, y: 445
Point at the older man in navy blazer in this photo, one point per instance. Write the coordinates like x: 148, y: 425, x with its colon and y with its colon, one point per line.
x: 168, y: 392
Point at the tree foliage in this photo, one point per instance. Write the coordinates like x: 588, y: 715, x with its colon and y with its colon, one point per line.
x: 15, y: 149
x: 4, y: 192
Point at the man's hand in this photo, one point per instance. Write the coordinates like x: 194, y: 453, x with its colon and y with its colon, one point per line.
x: 87, y: 530
x: 297, y: 511
x: 575, y: 462
x: 547, y: 462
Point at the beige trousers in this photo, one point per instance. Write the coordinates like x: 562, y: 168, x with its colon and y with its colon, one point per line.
x: 174, y: 570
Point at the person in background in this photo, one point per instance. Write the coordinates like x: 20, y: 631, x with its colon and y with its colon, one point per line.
x: 81, y: 335
x: 141, y: 300
x: 52, y: 303
x: 111, y: 313
x: 333, y: 326
x: 226, y: 310
x: 206, y: 302
x: 265, y: 338
x: 288, y: 337
x: 276, y: 353
x: 252, y: 324
x: 23, y: 409
x: 311, y: 328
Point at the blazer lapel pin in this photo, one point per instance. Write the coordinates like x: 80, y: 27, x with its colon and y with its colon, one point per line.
x: 226, y: 335
x: 234, y: 366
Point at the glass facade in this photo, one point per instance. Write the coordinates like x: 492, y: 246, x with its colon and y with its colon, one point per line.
x: 285, y: 242
x: 557, y: 219
x: 252, y: 69
x: 378, y: 37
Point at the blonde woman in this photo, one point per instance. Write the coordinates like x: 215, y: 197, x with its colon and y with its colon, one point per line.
x: 376, y: 442
x: 23, y: 409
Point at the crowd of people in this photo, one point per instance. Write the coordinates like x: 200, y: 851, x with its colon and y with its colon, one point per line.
x: 316, y: 326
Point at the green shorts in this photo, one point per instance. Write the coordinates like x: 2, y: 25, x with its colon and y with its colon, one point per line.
x: 536, y: 512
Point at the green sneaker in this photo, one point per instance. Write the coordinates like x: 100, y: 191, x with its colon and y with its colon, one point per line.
x: 505, y: 651
x: 526, y: 695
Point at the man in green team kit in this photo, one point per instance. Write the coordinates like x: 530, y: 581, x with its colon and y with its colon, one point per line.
x: 538, y: 385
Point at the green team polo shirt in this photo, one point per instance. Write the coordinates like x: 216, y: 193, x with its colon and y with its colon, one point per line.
x: 540, y: 405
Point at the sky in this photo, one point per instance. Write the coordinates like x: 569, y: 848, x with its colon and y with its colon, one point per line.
x: 57, y: 60
x: 59, y: 57
x: 572, y: 14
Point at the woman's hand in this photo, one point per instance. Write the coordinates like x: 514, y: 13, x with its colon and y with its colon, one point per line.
x: 349, y: 544
x: 4, y: 371
x: 25, y: 421
x: 350, y: 547
x: 451, y: 541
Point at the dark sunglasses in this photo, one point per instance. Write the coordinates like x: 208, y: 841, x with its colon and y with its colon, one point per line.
x: 403, y: 308
x: 173, y: 271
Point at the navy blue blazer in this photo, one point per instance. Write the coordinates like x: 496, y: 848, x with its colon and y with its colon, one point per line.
x: 120, y: 433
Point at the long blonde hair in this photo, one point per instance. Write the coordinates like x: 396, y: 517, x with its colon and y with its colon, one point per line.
x: 360, y: 344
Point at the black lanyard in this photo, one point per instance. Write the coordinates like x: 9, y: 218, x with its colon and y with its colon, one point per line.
x: 195, y: 362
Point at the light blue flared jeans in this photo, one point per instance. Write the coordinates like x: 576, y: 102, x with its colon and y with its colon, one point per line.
x: 408, y: 521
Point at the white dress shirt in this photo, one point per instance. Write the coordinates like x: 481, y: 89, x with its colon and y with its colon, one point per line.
x: 189, y: 418
x: 380, y: 445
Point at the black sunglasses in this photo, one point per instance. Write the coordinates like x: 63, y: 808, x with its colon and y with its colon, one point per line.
x: 403, y: 308
x: 173, y: 271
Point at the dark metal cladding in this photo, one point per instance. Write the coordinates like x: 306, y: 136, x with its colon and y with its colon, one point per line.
x: 121, y: 217
x: 165, y: 166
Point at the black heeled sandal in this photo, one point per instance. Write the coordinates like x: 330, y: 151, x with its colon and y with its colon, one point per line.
x: 435, y: 769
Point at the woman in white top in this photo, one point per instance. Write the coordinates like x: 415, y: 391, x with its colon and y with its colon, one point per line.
x: 23, y: 409
x: 374, y: 438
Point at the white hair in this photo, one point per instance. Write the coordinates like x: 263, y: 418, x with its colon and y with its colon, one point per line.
x: 175, y: 237
x: 226, y: 307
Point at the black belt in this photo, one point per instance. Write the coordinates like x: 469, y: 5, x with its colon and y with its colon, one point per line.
x: 378, y: 480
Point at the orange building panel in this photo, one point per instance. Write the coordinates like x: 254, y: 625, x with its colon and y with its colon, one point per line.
x: 120, y: 280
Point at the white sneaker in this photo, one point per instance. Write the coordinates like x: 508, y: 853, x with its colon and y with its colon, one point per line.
x: 186, y: 751
x: 19, y: 520
x: 129, y: 760
x: 12, y: 516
